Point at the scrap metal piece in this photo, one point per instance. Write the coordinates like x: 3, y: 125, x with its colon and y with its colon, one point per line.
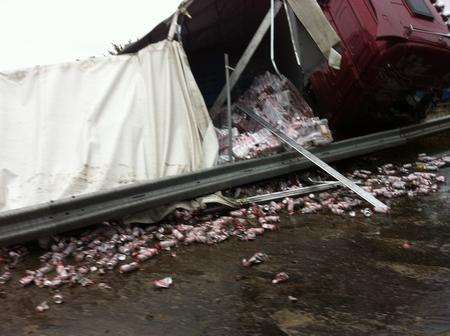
x: 288, y: 193
x: 229, y: 116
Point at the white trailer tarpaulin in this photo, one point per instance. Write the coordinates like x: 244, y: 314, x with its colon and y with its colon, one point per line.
x: 80, y: 127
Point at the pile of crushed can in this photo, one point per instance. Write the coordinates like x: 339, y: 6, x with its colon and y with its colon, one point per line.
x: 278, y: 101
x: 112, y: 246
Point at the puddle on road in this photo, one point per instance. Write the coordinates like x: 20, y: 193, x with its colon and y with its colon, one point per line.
x: 351, y: 276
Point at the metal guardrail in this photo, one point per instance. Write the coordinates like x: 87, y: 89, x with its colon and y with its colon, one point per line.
x: 80, y: 211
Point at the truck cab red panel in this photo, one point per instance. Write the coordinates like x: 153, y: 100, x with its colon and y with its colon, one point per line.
x: 389, y: 52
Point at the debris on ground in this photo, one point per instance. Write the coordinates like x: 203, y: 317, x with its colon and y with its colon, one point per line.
x: 292, y: 298
x: 406, y: 245
x: 280, y: 277
x: 257, y: 258
x: 86, y: 258
x: 5, y: 277
x: 127, y: 268
x: 366, y: 212
x: 163, y: 283
x: 103, y: 285
x: 43, y: 306
x: 58, y: 298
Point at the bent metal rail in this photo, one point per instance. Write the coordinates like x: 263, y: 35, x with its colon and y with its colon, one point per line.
x: 80, y: 211
x: 379, y: 206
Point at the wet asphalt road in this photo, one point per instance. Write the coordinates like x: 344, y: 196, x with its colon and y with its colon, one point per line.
x: 351, y: 276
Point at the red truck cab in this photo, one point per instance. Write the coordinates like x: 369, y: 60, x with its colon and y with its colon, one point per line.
x: 392, y: 49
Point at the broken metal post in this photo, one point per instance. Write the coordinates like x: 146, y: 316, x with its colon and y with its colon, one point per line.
x: 229, y: 121
x: 379, y: 206
x: 247, y: 55
x: 175, y: 28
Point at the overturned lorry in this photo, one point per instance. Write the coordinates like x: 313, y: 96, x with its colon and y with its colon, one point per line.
x: 108, y: 137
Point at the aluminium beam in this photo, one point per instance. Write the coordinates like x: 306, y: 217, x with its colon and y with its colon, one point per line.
x: 247, y: 55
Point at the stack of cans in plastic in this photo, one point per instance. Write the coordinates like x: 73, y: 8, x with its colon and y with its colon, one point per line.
x: 278, y: 102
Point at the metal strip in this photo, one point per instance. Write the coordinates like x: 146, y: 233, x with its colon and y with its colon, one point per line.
x: 81, y: 211
x: 290, y: 17
x: 288, y: 193
x: 229, y: 120
x: 272, y: 37
x: 311, y: 157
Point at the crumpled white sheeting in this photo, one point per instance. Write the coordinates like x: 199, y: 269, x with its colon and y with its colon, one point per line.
x: 80, y: 127
x: 157, y: 214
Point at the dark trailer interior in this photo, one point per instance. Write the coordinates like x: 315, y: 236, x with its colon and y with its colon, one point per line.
x: 219, y: 27
x: 389, y: 73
